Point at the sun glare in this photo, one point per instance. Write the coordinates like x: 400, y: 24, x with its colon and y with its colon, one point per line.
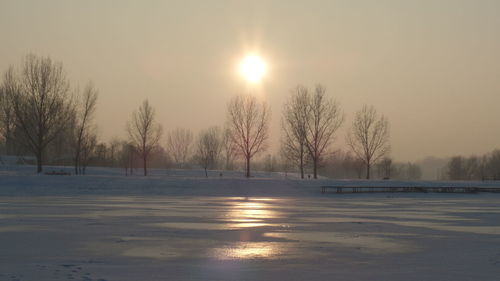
x: 253, y: 68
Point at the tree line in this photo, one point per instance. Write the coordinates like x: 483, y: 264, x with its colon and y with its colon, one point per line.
x: 42, y: 115
x: 311, y: 120
x: 484, y: 167
x: 38, y: 109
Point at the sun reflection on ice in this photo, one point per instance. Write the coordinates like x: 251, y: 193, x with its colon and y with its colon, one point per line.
x: 249, y: 250
x: 247, y: 214
x: 250, y: 213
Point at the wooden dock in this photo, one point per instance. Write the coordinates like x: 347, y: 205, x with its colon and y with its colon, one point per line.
x: 393, y: 189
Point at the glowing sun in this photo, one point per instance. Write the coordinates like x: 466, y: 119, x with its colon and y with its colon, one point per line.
x: 253, y: 68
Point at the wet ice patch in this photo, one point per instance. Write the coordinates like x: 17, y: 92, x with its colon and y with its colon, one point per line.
x: 361, y: 242
x: 21, y: 228
x: 161, y: 251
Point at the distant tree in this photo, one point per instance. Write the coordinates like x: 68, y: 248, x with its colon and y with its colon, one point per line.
x: 386, y: 167
x: 369, y: 137
x: 323, y: 119
x: 294, y: 127
x: 493, y: 165
x: 456, y: 168
x: 228, y: 149
x: 414, y: 171
x: 208, y: 148
x: 434, y: 168
x: 472, y: 168
x: 160, y: 158
x: 42, y: 106
x: 179, y: 144
x: 126, y: 156
x: 101, y: 153
x: 84, y: 135
x: 352, y: 165
x: 270, y: 163
x: 482, y: 167
x: 405, y: 171
x: 144, y: 132
x: 114, y: 146
x: 248, y: 123
x: 285, y: 163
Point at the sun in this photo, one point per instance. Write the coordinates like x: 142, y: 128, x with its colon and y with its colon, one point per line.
x: 253, y: 68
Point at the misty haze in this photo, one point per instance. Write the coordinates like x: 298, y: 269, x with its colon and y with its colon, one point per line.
x: 249, y: 140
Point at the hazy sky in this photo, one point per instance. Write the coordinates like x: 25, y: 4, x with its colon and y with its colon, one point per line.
x: 432, y: 67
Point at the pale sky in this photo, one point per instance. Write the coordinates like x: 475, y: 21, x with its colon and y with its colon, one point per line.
x: 432, y: 67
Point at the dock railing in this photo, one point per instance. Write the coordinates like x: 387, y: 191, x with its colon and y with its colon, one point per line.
x: 391, y: 189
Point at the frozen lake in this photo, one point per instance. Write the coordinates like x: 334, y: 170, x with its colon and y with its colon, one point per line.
x: 346, y: 237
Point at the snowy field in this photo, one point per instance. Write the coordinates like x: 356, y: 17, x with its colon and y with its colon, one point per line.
x: 178, y: 225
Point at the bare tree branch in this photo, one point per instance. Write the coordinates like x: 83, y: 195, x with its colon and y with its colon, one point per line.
x: 144, y: 132
x: 179, y: 143
x: 248, y: 124
x: 8, y: 90
x: 323, y: 120
x: 42, y: 105
x: 84, y: 115
x: 369, y: 137
x: 208, y: 148
x: 294, y: 127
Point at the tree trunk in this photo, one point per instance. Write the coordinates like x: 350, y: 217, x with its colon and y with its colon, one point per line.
x: 8, y: 143
x: 39, y: 161
x: 77, y: 154
x: 145, y: 167
x: 206, y: 174
x: 315, y: 168
x: 76, y: 165
x: 248, y: 167
x: 302, y: 166
x: 367, y: 171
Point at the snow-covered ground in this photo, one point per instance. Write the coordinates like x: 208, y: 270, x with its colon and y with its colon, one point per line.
x: 21, y: 180
x: 179, y: 225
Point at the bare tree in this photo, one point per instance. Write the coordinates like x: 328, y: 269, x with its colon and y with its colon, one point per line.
x: 83, y: 134
x: 369, y: 137
x: 88, y: 146
x: 179, y: 143
x: 42, y: 106
x: 8, y: 88
x: 208, y: 148
x: 228, y: 149
x: 294, y: 127
x: 248, y: 123
x: 323, y: 120
x: 144, y: 132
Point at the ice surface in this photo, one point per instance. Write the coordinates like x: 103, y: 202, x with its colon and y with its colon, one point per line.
x: 182, y: 226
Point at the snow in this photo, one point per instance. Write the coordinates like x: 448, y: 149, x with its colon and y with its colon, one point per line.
x: 179, y: 225
x: 21, y: 180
